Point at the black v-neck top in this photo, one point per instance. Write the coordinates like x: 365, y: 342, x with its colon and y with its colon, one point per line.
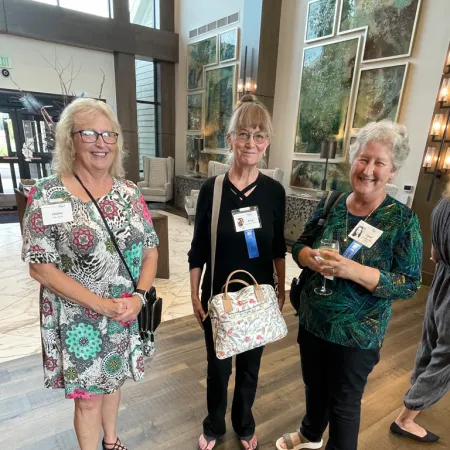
x: 231, y: 249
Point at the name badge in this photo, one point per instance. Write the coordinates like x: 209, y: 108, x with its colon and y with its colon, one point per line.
x: 57, y: 213
x: 365, y: 234
x: 246, y: 218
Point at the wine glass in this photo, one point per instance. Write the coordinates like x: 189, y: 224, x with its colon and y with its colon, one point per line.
x: 328, y: 245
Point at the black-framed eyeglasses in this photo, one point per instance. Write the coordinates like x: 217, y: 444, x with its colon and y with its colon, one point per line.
x: 91, y: 136
x: 258, y: 137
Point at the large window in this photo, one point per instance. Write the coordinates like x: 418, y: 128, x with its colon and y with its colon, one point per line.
x: 97, y: 7
x: 147, y: 109
x: 144, y: 12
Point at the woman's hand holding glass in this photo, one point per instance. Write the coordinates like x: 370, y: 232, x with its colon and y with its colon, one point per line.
x: 327, y: 247
x: 337, y: 265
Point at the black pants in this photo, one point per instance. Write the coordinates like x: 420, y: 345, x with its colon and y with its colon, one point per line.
x: 335, y: 377
x: 219, y: 371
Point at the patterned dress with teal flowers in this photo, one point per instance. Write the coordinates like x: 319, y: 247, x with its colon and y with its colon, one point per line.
x: 84, y: 352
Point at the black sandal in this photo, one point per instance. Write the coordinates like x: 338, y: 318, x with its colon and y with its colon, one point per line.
x: 117, y: 445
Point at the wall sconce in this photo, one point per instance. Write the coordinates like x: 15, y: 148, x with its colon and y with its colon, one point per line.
x: 246, y: 85
x: 327, y: 151
x: 428, y: 160
x: 444, y: 95
x: 437, y: 125
x: 446, y: 165
x: 245, y: 88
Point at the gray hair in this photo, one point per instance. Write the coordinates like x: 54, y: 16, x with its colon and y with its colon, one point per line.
x: 392, y: 135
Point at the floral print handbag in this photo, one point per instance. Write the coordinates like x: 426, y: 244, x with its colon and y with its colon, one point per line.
x: 245, y: 319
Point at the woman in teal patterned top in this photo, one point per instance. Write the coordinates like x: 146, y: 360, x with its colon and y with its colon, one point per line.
x: 340, y: 335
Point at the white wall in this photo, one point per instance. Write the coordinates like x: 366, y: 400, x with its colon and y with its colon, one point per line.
x: 191, y: 14
x: 32, y: 73
x: 431, y: 43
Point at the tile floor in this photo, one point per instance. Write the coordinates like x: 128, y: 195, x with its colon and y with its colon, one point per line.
x: 19, y: 318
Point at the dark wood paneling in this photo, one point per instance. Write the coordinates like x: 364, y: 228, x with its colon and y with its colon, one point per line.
x: 268, y: 47
x: 167, y: 142
x: 2, y: 18
x: 167, y: 15
x: 124, y: 65
x: 166, y: 80
x: 63, y: 26
x: 121, y: 10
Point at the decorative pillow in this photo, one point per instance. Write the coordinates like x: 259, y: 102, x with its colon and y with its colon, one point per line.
x: 158, y: 172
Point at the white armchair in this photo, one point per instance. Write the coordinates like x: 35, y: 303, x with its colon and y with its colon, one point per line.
x: 216, y: 168
x: 158, y: 179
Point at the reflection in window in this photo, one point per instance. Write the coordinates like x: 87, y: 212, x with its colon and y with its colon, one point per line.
x: 144, y: 12
x: 49, y: 2
x: 96, y: 7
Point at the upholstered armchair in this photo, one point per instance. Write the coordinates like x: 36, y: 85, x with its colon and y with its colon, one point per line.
x: 216, y: 168
x: 158, y: 179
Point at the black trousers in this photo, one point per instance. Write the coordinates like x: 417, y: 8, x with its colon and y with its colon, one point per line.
x: 246, y: 381
x: 335, y: 377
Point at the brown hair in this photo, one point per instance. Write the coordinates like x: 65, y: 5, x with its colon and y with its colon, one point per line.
x: 250, y: 113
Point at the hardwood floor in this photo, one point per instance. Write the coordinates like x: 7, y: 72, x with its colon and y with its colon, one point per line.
x: 166, y: 410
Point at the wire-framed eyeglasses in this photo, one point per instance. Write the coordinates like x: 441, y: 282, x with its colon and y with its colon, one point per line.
x: 244, y: 136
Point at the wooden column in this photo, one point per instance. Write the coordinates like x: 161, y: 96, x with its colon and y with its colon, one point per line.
x: 166, y: 85
x: 127, y: 110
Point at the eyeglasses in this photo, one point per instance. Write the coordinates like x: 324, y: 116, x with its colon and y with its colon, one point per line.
x: 258, y: 137
x: 91, y: 136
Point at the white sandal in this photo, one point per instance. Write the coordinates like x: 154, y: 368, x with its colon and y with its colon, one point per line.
x: 304, y: 443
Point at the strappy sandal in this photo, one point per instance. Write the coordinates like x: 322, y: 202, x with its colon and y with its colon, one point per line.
x: 209, y: 439
x: 247, y: 439
x: 304, y: 443
x: 117, y: 445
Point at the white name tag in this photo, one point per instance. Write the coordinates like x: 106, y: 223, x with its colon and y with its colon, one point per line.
x: 365, y: 234
x: 246, y: 218
x: 57, y: 213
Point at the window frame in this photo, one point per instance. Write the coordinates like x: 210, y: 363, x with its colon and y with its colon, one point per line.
x: 156, y: 103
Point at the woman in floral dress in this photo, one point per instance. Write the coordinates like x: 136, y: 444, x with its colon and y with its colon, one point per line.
x: 90, y: 336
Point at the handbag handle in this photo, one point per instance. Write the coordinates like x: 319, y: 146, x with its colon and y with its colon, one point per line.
x: 111, y: 234
x: 227, y: 306
x: 236, y: 281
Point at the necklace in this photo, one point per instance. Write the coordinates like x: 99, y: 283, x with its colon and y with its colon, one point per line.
x: 365, y: 218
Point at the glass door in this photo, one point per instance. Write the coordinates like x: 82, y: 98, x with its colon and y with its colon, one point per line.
x: 36, y: 153
x: 11, y: 165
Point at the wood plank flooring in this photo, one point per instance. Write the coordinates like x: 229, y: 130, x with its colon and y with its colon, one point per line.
x: 166, y: 410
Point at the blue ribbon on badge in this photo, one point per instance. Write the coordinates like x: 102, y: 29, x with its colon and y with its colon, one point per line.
x: 352, y: 250
x: 252, y: 246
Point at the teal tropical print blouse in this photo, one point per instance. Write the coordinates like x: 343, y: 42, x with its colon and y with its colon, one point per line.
x: 353, y: 316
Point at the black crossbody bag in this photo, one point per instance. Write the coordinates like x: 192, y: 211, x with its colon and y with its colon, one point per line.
x: 298, y: 284
x: 150, y: 316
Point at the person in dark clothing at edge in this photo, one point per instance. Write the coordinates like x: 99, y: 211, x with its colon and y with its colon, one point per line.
x: 249, y: 135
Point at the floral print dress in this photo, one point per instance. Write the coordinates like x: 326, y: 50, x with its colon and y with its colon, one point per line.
x: 85, y: 352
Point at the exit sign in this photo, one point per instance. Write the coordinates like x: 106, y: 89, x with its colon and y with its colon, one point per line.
x: 5, y: 62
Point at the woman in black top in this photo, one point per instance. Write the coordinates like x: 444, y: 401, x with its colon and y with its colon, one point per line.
x: 244, y: 186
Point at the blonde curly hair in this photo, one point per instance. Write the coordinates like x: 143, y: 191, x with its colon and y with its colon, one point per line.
x: 64, y: 154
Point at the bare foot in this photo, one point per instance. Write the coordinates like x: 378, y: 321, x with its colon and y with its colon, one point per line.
x: 251, y: 444
x: 296, y: 440
x: 204, y: 445
x: 412, y: 427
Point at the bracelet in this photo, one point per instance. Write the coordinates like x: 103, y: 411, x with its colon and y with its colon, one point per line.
x: 138, y: 294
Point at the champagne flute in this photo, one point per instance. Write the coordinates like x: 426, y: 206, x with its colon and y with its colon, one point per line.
x: 328, y: 245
